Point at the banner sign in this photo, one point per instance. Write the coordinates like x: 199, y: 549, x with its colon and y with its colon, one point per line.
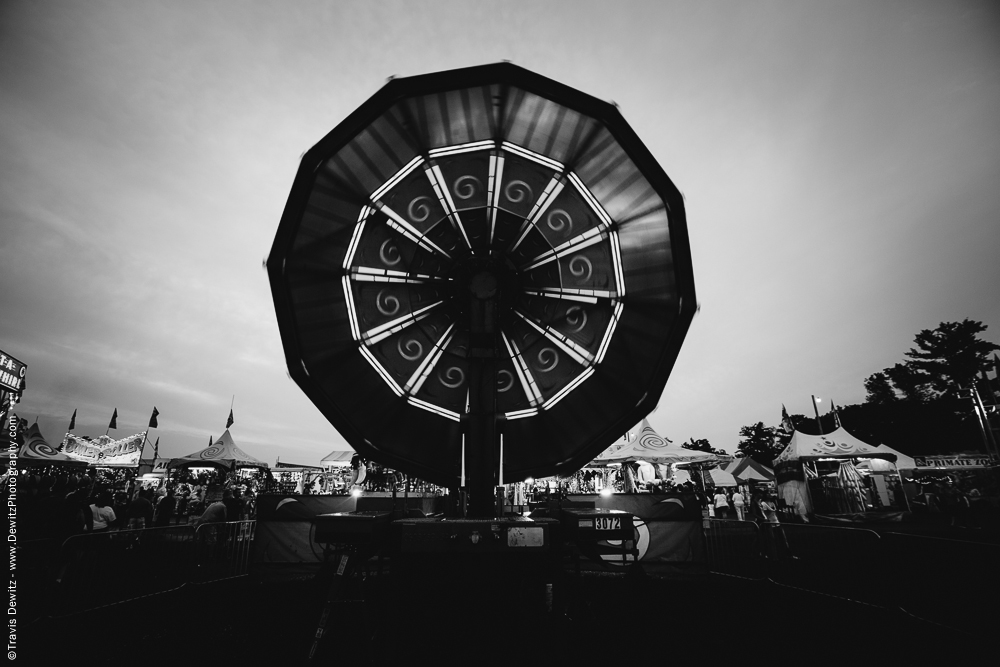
x: 104, y: 451
x: 11, y: 373
x: 958, y: 461
x: 789, y: 471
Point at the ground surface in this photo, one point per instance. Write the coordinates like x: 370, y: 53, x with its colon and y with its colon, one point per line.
x: 419, y: 615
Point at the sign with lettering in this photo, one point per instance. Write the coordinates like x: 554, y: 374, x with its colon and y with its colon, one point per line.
x: 956, y: 461
x: 11, y: 373
x: 104, y: 451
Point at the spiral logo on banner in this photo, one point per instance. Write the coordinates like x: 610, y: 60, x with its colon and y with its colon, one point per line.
x: 649, y: 440
x: 41, y: 449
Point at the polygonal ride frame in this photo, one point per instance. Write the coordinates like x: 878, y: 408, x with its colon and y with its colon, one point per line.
x: 482, y: 273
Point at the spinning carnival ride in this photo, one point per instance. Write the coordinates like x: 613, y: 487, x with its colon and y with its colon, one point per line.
x: 482, y: 275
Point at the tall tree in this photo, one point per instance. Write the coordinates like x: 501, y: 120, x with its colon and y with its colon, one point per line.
x: 760, y: 443
x: 880, y: 391
x: 943, y: 360
x: 702, y: 445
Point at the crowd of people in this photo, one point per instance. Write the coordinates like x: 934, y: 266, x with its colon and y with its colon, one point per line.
x: 949, y: 502
x: 58, y: 504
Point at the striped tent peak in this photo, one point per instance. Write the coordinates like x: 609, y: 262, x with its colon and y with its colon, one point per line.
x: 223, y: 450
x: 647, y: 438
x: 648, y: 445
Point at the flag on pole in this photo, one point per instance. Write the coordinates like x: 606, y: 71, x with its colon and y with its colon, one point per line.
x: 152, y: 418
x: 209, y: 441
x: 72, y: 421
x: 229, y: 422
x: 114, y: 420
x: 156, y: 450
x: 786, y: 421
x: 836, y: 416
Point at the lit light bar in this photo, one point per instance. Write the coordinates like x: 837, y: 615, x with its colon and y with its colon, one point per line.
x: 461, y: 148
x: 436, y: 178
x: 589, y: 198
x: 521, y: 414
x: 493, y: 190
x: 615, y: 316
x: 585, y: 240
x: 579, y: 354
x: 400, y: 175
x: 383, y: 331
x: 430, y: 407
x: 396, y: 222
x: 352, y: 315
x: 368, y: 274
x: 616, y: 259
x: 552, y: 191
x: 548, y: 405
x: 523, y: 374
x: 532, y: 155
x: 352, y: 247
x: 381, y: 371
x: 427, y: 365
x: 572, y: 294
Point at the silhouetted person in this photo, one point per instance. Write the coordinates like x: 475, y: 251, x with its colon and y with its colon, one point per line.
x: 140, y: 512
x: 234, y: 508
x: 165, y: 509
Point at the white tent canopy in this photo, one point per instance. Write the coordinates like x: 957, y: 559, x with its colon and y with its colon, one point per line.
x: 746, y: 470
x: 836, y: 445
x: 903, y: 462
x: 222, y: 452
x: 650, y: 446
x: 338, y: 457
x: 722, y: 478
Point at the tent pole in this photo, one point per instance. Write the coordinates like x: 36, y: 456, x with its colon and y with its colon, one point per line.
x: 902, y: 490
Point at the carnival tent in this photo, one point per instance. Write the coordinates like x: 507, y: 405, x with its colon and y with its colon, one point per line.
x: 338, y: 457
x: 283, y: 467
x: 36, y: 450
x: 748, y: 470
x: 722, y: 478
x: 649, y: 446
x: 681, y: 476
x: 903, y: 462
x: 836, y: 445
x: 224, y: 453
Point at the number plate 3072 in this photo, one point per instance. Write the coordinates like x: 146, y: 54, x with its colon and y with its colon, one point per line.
x: 608, y: 523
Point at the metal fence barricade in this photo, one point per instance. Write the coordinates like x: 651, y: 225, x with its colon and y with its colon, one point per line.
x: 99, y: 569
x: 224, y: 550
x: 733, y: 547
x: 946, y: 581
x: 843, y: 562
x: 35, y: 562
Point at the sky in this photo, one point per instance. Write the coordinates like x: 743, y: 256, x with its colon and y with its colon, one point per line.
x: 840, y: 163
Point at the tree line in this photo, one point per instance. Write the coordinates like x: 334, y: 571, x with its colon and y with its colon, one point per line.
x: 922, y: 405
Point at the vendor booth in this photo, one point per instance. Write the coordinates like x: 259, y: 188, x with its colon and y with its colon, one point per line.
x: 652, y: 454
x: 224, y: 453
x: 747, y: 470
x: 653, y: 448
x: 339, y: 457
x: 817, y: 474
